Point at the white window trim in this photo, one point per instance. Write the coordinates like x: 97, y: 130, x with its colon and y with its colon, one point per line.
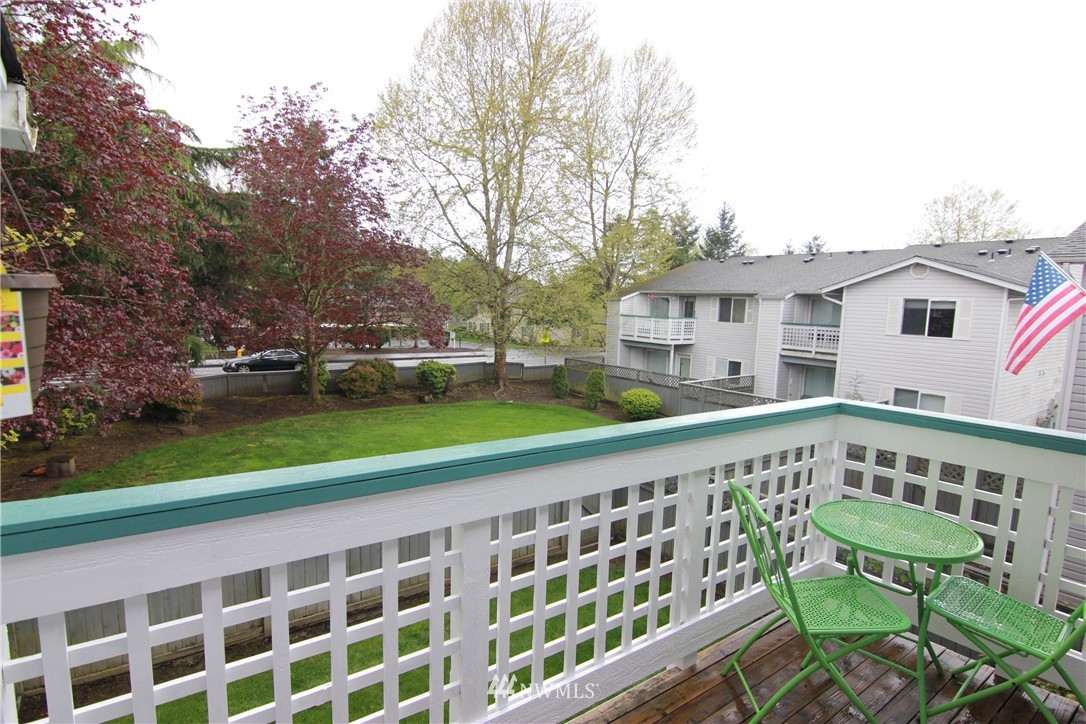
x: 725, y: 362
x: 748, y: 309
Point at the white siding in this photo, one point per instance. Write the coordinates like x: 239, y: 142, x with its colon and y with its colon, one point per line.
x: 767, y: 364
x: 723, y: 340
x: 788, y: 309
x: 1024, y: 398
x: 871, y: 360
x: 1076, y: 410
x: 613, y: 345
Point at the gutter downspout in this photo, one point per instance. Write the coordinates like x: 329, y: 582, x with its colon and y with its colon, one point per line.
x: 1000, y: 352
x: 1067, y: 384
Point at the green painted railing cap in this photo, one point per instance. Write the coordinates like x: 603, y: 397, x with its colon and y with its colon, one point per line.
x: 54, y: 522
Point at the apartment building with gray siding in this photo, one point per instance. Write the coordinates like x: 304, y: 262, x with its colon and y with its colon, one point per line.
x: 923, y: 326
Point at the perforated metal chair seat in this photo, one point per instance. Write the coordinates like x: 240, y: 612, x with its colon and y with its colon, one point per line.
x: 846, y: 606
x: 997, y: 616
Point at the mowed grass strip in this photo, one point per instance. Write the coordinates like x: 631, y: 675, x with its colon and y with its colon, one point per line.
x: 333, y: 436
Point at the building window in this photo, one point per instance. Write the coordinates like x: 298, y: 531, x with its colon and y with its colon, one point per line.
x: 659, y: 306
x: 687, y: 304
x: 919, y: 400
x: 928, y: 318
x: 727, y: 367
x: 731, y: 309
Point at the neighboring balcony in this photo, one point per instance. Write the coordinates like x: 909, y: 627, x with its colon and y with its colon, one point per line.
x: 810, y: 340
x: 663, y: 330
x: 419, y: 585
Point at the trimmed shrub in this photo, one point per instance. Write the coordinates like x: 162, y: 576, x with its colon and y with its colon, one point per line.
x: 368, y: 377
x: 387, y: 372
x: 323, y: 375
x: 360, y: 381
x: 435, y: 376
x: 595, y: 389
x: 560, y: 382
x: 75, y: 422
x: 639, y: 403
x: 181, y: 407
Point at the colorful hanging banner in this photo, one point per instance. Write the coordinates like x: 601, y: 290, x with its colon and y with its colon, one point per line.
x: 15, y: 399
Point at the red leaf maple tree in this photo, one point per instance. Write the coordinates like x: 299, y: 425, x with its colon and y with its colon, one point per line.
x: 327, y: 269
x: 117, y: 324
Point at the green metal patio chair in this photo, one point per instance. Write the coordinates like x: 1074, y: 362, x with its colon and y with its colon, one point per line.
x: 821, y: 609
x: 1000, y: 626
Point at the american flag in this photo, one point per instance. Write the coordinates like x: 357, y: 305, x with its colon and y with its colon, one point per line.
x: 1052, y: 302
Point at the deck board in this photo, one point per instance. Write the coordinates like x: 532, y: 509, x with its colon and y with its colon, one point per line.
x: 701, y: 694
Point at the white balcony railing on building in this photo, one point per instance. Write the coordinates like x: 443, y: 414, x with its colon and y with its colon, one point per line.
x: 810, y: 339
x: 633, y: 560
x: 665, y: 330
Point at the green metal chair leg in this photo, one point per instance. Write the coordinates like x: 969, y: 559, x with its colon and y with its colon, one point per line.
x: 734, y: 661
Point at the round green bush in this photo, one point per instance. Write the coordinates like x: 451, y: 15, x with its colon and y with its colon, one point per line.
x: 639, y: 403
x: 595, y: 389
x: 435, y: 376
x: 360, y: 381
x: 560, y: 382
x: 368, y: 377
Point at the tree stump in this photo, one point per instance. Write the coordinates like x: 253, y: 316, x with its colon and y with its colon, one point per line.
x: 60, y: 466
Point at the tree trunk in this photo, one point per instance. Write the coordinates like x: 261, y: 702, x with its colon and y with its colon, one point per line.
x: 313, y: 353
x: 499, y: 363
x: 312, y: 367
x: 499, y: 323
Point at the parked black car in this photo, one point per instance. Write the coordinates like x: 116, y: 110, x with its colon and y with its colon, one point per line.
x: 273, y: 359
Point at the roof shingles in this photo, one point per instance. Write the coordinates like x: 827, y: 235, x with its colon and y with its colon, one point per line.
x: 777, y: 276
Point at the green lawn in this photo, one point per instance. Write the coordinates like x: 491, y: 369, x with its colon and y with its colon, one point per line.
x: 258, y: 690
x: 333, y: 436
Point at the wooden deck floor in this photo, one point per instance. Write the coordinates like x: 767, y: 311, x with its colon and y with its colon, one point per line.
x: 701, y: 694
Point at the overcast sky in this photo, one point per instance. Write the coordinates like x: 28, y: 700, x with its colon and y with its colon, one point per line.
x: 834, y: 118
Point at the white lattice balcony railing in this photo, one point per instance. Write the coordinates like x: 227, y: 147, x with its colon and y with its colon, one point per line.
x: 665, y: 330
x: 579, y: 563
x: 810, y: 339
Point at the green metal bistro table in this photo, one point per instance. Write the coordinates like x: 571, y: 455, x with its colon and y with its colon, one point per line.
x: 901, y: 533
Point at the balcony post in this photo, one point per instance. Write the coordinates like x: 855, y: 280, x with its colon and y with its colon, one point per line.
x: 829, y: 480
x: 1033, y: 532
x: 690, y: 550
x: 470, y: 621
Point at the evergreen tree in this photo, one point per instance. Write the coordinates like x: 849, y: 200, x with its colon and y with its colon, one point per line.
x: 685, y: 231
x: 724, y: 240
x: 816, y: 245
